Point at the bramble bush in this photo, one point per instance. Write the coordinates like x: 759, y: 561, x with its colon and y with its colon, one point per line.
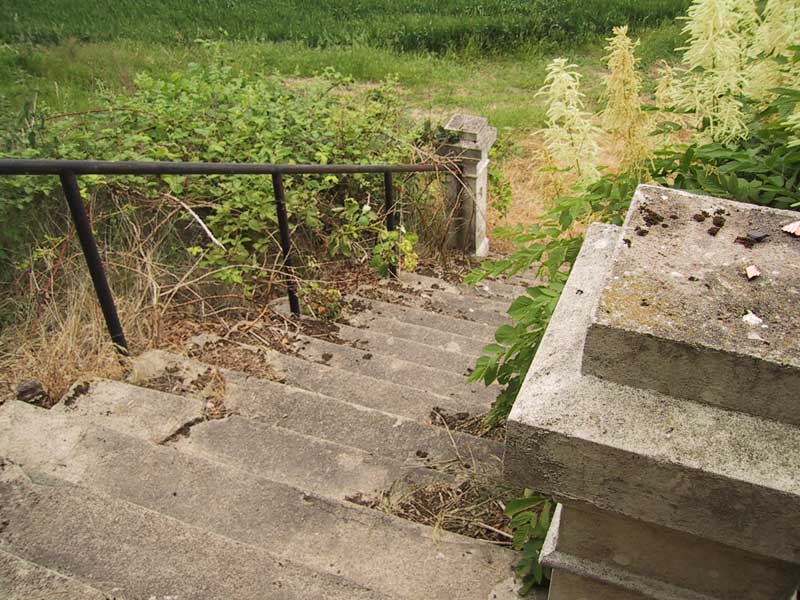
x: 743, y: 143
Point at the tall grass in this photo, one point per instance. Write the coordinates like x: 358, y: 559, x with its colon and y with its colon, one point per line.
x: 429, y: 25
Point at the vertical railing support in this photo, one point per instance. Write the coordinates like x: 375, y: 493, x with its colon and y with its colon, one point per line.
x: 81, y: 220
x: 391, y: 223
x: 286, y: 242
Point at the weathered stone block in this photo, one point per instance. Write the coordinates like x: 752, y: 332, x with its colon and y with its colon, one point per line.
x: 468, y: 193
x: 722, y: 475
x: 680, y: 316
x: 639, y: 552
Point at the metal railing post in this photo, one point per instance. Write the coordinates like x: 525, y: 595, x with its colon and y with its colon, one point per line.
x: 391, y: 223
x: 286, y: 242
x: 81, y: 220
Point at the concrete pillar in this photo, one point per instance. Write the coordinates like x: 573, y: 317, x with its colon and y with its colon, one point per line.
x: 657, y: 410
x: 468, y: 194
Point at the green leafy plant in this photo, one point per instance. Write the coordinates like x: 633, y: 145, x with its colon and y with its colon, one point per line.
x: 530, y: 521
x: 321, y: 302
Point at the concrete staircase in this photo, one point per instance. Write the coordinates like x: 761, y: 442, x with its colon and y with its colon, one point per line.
x: 147, y: 489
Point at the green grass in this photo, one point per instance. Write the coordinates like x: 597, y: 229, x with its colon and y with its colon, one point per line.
x: 69, y: 75
x: 405, y: 25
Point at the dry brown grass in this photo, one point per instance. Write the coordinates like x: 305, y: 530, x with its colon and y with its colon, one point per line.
x: 535, y: 187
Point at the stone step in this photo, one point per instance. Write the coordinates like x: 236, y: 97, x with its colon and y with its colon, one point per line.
x: 146, y: 413
x: 415, y: 316
x: 396, y: 370
x: 331, y: 469
x: 24, y: 580
x: 436, y: 338
x: 462, y: 304
x: 376, y: 341
x: 370, y: 340
x: 127, y: 551
x: 381, y: 552
x: 149, y: 414
x: 347, y: 386
x: 500, y: 291
x: 698, y: 468
x: 316, y: 415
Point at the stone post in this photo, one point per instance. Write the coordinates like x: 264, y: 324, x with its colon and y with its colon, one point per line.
x: 468, y: 194
x: 662, y: 409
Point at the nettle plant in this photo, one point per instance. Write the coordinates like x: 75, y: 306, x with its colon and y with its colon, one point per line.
x: 741, y: 140
x: 213, y: 113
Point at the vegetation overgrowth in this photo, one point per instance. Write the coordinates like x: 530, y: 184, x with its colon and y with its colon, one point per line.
x: 405, y: 25
x: 132, y: 81
x: 724, y: 122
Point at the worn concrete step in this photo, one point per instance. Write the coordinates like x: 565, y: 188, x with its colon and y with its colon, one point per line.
x: 311, y: 463
x: 430, y: 336
x: 23, y: 580
x: 396, y: 370
x: 135, y: 553
x: 330, y: 469
x: 370, y: 340
x: 493, y: 295
x: 146, y: 413
x: 454, y: 303
x: 317, y: 415
x: 381, y: 552
x: 415, y: 316
x: 445, y: 356
x: 365, y: 390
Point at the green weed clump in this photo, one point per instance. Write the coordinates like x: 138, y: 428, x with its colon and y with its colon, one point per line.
x: 405, y: 25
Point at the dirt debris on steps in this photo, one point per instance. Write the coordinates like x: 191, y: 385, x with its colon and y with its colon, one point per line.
x: 473, y: 507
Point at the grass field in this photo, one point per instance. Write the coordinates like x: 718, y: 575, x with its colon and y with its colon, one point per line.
x: 405, y: 25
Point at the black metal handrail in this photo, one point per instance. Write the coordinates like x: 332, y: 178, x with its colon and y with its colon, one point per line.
x: 69, y: 170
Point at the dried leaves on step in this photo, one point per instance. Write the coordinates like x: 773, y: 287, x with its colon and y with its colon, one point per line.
x: 792, y: 228
x: 752, y: 272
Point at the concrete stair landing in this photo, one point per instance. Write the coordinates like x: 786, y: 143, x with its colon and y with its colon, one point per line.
x: 139, y: 489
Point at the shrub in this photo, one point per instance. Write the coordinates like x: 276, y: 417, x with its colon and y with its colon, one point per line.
x: 214, y: 114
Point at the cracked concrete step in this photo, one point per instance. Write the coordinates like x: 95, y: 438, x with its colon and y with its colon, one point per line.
x: 312, y: 414
x: 371, y: 340
x: 470, y: 307
x: 361, y: 389
x: 332, y: 469
x: 382, y: 552
x: 444, y: 355
x: 502, y: 291
x: 126, y: 550
x: 480, y: 298
x: 396, y: 370
x: 148, y: 414
x: 24, y: 580
x: 415, y: 316
x: 436, y: 338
